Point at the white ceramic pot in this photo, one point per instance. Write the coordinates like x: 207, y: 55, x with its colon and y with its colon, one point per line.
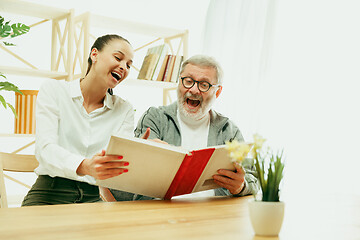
x: 266, y: 217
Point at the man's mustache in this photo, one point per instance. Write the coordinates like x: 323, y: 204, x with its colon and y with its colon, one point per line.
x: 193, y: 96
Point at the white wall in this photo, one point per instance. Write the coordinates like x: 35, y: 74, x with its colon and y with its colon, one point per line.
x: 308, y: 99
x: 311, y: 99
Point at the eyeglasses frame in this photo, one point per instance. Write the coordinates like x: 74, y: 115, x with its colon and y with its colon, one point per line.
x: 198, y: 82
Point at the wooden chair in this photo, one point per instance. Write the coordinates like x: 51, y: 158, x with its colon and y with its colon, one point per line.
x: 14, y: 163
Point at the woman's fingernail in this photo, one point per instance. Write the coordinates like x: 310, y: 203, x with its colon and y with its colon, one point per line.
x: 120, y: 157
x: 126, y: 164
x: 125, y: 170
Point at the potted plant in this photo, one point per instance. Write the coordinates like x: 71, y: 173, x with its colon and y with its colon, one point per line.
x: 6, y: 31
x: 266, y: 210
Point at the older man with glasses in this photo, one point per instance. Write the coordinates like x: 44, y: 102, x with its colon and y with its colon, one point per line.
x: 191, y: 123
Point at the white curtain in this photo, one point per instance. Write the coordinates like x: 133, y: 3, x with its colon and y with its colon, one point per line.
x: 308, y: 100
x: 238, y: 33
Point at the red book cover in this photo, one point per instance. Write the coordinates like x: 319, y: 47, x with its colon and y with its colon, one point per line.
x: 162, y: 170
x: 189, y: 172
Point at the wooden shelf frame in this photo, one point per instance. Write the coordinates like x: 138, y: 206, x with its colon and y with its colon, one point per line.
x: 33, y: 72
x: 61, y: 40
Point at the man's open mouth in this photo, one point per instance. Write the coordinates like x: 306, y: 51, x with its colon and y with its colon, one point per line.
x: 192, y: 102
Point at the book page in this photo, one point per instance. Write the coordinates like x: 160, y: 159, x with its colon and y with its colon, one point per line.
x: 152, y: 166
x: 219, y: 160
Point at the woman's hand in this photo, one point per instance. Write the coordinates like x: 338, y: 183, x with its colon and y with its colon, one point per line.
x: 102, y: 167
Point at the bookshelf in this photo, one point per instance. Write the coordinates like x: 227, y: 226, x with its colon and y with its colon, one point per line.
x: 71, y: 40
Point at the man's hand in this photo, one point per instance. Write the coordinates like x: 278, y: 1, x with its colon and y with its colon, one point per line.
x: 233, y: 181
x: 147, y: 134
x: 102, y: 167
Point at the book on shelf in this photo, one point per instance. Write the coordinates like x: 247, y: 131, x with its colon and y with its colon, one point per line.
x: 170, y: 69
x: 160, y: 75
x: 152, y: 61
x: 167, y: 67
x: 176, y: 69
x: 163, y: 171
x: 148, y: 66
x: 162, y: 56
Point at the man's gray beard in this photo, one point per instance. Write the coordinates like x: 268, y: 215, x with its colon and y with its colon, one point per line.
x: 203, y: 110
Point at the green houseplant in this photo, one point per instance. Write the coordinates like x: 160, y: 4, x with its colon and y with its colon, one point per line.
x: 269, y: 167
x: 266, y: 212
x: 8, y: 30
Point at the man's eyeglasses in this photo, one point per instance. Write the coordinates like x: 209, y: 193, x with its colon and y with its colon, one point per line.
x: 203, y: 86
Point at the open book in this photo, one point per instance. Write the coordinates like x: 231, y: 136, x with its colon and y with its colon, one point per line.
x: 163, y: 171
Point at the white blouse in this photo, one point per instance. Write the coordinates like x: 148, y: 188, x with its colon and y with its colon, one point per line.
x: 66, y: 134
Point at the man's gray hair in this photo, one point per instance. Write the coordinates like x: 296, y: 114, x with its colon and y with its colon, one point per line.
x: 205, y: 61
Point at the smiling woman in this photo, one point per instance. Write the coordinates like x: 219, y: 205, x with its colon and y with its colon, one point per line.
x: 117, y: 54
x: 70, y: 136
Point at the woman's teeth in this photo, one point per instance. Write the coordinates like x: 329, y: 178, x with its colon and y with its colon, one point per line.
x: 116, y: 75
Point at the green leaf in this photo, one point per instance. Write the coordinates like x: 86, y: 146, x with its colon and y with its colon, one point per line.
x: 12, y: 109
x: 8, y: 44
x: 2, y: 100
x: 5, y: 30
x: 259, y: 171
x: 19, y: 29
x: 262, y: 172
x: 7, y: 86
x: 2, y: 75
x: 279, y: 166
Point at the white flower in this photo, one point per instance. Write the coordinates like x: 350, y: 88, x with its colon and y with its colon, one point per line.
x: 238, y: 151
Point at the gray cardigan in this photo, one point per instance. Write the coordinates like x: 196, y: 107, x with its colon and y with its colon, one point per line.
x: 164, y: 125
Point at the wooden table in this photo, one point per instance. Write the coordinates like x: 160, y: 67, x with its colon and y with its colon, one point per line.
x: 336, y: 217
